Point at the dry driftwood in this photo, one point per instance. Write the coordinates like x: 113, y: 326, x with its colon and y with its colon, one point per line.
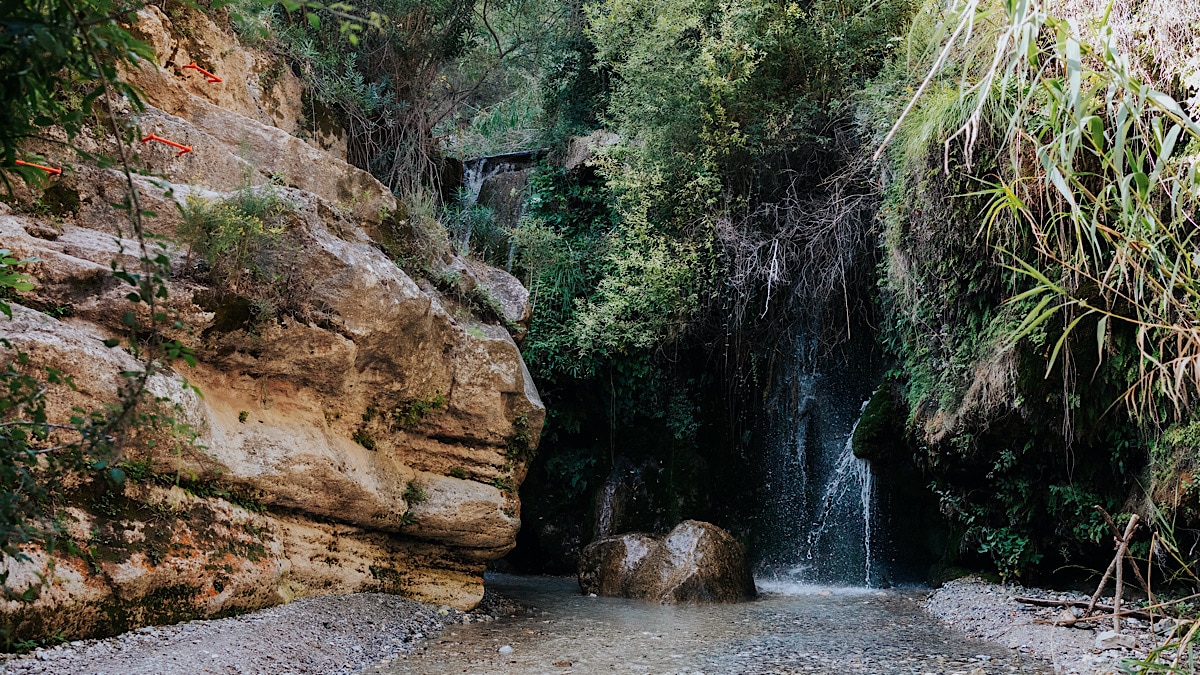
x: 1122, y: 550
x: 1083, y: 604
x: 1116, y: 532
x: 1131, y: 613
x: 1114, y: 571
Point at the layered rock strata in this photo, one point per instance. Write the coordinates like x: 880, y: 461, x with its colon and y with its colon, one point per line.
x: 373, y: 442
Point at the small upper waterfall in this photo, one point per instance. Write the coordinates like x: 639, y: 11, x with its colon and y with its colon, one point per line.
x: 476, y: 171
x: 820, y: 521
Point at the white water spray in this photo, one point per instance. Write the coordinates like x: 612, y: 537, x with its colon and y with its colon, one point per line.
x: 820, y: 511
x: 849, y: 472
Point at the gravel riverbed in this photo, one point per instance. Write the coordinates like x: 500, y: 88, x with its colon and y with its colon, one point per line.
x: 791, y: 629
x: 311, y: 636
x: 543, y: 625
x: 988, y: 611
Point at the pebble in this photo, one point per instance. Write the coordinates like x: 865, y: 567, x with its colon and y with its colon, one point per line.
x: 506, y: 649
x: 1164, y: 626
x: 1112, y: 640
x: 344, y: 633
x: 988, y: 611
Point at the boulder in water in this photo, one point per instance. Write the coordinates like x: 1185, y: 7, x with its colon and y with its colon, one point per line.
x: 695, y: 562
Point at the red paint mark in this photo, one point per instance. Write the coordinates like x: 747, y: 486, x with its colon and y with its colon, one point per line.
x: 47, y: 169
x: 212, y: 79
x: 183, y: 149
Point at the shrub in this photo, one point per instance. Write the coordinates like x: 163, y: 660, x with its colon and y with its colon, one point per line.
x: 408, y: 415
x: 244, y: 241
x: 232, y: 234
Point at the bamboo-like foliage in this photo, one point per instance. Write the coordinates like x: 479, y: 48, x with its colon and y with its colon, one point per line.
x: 1103, y: 174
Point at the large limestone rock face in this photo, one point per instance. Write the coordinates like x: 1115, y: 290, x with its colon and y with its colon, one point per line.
x: 695, y: 562
x: 375, y: 443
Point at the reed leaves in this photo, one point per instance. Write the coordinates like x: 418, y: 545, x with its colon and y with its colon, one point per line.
x: 1101, y: 177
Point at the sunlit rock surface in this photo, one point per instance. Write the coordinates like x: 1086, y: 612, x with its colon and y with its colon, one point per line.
x: 311, y: 473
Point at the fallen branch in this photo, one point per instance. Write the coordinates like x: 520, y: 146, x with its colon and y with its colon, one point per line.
x: 1116, y: 532
x: 1122, y: 550
x: 1142, y: 613
x: 1083, y: 604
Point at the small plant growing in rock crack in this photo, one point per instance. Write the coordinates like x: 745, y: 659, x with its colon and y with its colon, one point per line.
x: 243, y: 416
x: 458, y: 472
x: 363, y: 438
x: 58, y: 637
x: 408, y: 416
x: 503, y: 483
x: 414, y: 493
x: 520, y: 447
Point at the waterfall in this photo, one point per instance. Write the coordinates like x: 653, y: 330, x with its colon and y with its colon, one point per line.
x: 820, y: 524
x: 476, y: 171
x: 506, y: 204
x: 847, y: 498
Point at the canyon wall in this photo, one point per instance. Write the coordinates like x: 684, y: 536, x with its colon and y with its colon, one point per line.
x: 375, y: 441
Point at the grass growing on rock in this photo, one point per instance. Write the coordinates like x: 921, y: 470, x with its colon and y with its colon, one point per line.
x: 242, y: 247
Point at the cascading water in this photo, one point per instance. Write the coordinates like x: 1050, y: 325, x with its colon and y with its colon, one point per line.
x: 820, y: 524
x: 477, y: 170
x: 848, y: 497
x: 476, y: 173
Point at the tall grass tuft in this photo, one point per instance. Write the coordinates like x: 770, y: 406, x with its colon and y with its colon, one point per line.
x: 1102, y: 172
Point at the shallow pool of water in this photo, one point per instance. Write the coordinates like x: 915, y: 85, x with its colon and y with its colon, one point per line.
x: 789, y: 629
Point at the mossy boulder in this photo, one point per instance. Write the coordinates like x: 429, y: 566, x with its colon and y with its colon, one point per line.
x: 880, y: 429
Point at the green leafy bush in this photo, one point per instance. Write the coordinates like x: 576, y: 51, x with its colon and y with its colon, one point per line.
x: 12, y: 280
x: 58, y: 59
x: 408, y: 416
x: 232, y: 234
x: 243, y: 242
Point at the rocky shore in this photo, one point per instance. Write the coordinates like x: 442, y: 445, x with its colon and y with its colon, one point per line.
x: 311, y: 636
x: 386, y: 633
x: 988, y: 611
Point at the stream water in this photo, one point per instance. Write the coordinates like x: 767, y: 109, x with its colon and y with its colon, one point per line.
x: 789, y: 629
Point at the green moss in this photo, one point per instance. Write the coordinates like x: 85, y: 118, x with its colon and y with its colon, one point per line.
x: 880, y: 430
x: 249, y: 500
x: 1174, y: 465
x: 388, y: 579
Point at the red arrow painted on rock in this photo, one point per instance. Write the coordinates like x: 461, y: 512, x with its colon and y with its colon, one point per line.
x: 183, y: 149
x: 47, y: 169
x: 212, y: 79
